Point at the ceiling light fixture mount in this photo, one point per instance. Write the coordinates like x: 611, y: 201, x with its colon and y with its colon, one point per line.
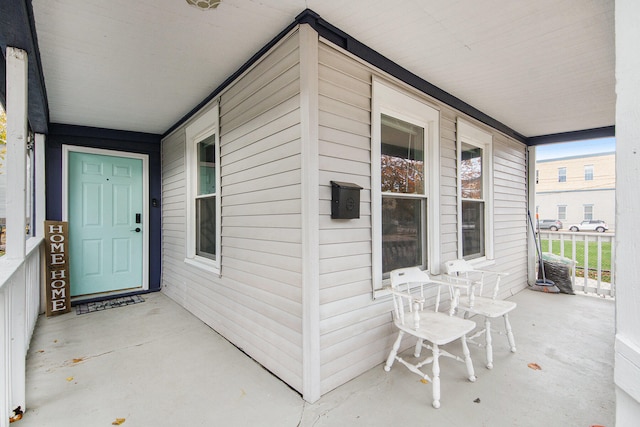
x: 204, y: 4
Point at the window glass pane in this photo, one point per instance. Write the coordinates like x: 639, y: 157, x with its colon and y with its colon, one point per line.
x: 472, y: 229
x: 588, y: 212
x: 471, y: 172
x: 401, y: 233
x: 588, y: 173
x: 562, y: 174
x: 206, y: 227
x: 562, y: 212
x: 207, y: 166
x: 402, y: 157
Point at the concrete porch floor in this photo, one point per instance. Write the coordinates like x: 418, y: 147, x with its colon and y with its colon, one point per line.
x: 154, y: 364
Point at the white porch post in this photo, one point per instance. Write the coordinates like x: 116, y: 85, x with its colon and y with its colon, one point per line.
x: 627, y: 343
x: 531, y: 188
x: 12, y: 312
x: 5, y: 375
x: 16, y: 164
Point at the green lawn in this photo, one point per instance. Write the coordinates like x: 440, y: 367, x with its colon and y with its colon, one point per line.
x: 593, y: 253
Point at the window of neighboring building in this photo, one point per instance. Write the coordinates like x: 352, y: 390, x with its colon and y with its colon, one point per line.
x: 203, y: 191
x: 562, y: 174
x: 404, y: 181
x: 588, y: 212
x: 474, y: 166
x: 562, y: 212
x: 588, y: 173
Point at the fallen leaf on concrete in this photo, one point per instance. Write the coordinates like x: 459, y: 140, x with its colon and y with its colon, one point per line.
x: 69, y: 378
x: 17, y: 415
x: 477, y: 400
x: 78, y: 360
x: 424, y: 381
x: 118, y: 421
x: 40, y: 351
x: 534, y: 366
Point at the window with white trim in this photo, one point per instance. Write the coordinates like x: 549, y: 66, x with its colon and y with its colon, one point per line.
x: 562, y: 212
x: 588, y: 212
x: 475, y: 207
x: 588, y: 172
x: 405, y: 178
x: 203, y: 191
x: 562, y: 174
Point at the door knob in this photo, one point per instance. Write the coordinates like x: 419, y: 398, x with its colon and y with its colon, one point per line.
x: 137, y: 230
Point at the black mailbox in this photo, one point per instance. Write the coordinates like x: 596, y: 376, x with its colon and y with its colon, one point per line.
x: 345, y: 200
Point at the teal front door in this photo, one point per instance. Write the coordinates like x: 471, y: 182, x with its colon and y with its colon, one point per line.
x: 105, y: 215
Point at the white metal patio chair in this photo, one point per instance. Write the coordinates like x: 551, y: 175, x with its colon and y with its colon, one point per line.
x: 431, y: 327
x: 461, y: 274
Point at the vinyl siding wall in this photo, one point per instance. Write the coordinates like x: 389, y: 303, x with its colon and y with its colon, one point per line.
x: 356, y: 330
x: 256, y: 301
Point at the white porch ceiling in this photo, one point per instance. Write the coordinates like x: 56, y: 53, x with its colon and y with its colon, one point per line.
x: 540, y: 67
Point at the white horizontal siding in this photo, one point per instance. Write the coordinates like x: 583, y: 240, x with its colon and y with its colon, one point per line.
x: 354, y: 329
x: 510, y: 212
x: 256, y: 300
x: 356, y: 332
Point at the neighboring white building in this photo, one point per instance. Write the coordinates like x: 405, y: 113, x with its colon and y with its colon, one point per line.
x: 577, y: 188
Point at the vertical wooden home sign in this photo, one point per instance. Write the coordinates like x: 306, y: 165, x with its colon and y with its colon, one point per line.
x: 57, y: 274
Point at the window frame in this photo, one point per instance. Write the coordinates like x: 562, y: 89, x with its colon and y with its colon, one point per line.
x: 588, y: 172
x: 562, y: 174
x: 470, y: 134
x: 562, y: 217
x: 392, y: 101
x: 205, y: 126
x: 584, y: 212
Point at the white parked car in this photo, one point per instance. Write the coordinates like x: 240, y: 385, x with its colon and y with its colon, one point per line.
x: 590, y: 225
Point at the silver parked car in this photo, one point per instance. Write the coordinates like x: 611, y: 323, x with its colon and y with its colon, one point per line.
x: 550, y: 224
x: 590, y: 225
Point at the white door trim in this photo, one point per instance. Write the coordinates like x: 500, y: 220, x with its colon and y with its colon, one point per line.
x: 66, y: 149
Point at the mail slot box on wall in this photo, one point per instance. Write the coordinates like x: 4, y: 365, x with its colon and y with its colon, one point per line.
x: 345, y: 200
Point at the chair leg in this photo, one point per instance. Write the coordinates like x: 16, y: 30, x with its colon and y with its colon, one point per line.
x: 467, y: 359
x: 488, y: 341
x: 418, y: 349
x: 393, y: 352
x: 507, y: 326
x: 435, y: 380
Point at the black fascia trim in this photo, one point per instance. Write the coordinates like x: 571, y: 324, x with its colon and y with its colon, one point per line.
x: 231, y: 78
x: 17, y: 29
x: 351, y: 45
x: 58, y: 129
x: 578, y: 135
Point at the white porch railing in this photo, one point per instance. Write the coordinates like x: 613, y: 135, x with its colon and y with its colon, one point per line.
x: 594, y: 256
x: 19, y: 308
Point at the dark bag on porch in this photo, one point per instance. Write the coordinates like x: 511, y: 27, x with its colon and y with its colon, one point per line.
x: 558, y: 269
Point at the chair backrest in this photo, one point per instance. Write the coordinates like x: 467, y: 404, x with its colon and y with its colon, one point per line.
x: 457, y: 266
x: 462, y: 268
x: 409, y: 285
